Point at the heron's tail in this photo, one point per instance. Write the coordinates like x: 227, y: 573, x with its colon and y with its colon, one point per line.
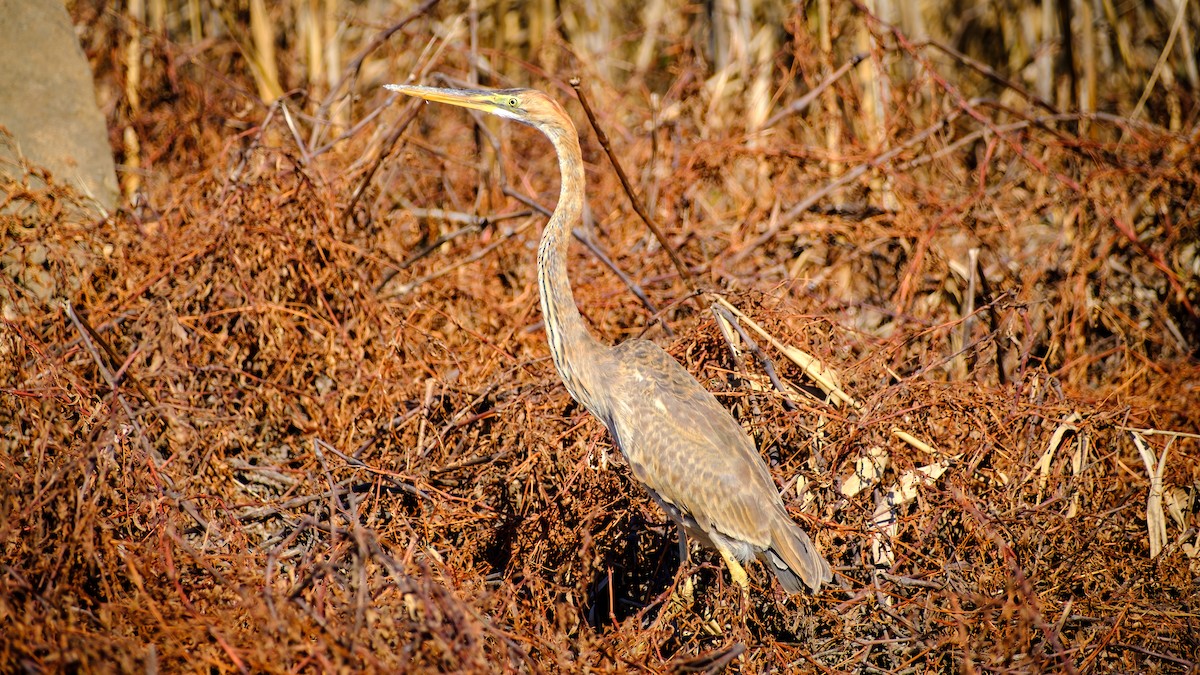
x: 794, y: 558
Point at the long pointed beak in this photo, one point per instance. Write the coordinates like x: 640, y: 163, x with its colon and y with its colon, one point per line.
x: 464, y: 98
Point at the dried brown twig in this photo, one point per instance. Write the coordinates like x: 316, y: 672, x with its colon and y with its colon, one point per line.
x: 637, y: 204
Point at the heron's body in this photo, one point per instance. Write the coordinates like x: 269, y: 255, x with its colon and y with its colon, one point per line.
x: 686, y: 449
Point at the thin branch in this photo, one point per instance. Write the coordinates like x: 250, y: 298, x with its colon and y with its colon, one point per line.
x: 990, y: 73
x: 845, y: 179
x: 385, y: 149
x: 592, y: 246
x: 351, y: 70
x: 637, y: 204
x: 798, y: 106
x: 112, y: 355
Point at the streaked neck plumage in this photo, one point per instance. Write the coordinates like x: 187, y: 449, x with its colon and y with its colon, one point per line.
x: 578, y: 356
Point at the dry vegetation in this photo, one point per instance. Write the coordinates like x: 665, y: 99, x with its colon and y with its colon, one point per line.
x: 293, y: 410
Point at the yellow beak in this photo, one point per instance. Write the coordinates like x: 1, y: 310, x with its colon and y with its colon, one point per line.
x: 464, y: 98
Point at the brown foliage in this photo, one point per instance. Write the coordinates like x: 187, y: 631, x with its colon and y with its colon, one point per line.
x: 335, y: 440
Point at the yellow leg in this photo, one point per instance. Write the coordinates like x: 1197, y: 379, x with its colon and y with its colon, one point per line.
x: 684, y: 595
x: 683, y: 598
x: 735, y: 569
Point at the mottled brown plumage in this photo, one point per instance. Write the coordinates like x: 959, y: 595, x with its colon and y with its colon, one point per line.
x: 686, y: 449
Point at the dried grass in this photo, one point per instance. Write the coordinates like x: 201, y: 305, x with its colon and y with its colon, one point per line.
x: 335, y: 440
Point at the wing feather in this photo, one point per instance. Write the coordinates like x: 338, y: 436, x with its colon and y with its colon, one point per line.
x: 683, y: 444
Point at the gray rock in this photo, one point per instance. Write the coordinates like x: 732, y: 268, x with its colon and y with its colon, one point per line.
x: 48, y: 104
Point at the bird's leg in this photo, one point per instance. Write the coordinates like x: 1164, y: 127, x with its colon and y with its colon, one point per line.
x: 736, y: 572
x: 683, y: 596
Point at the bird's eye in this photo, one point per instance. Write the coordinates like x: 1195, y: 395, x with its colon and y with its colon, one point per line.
x: 512, y: 102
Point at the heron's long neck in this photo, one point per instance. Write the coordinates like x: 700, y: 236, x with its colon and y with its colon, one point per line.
x: 577, y: 355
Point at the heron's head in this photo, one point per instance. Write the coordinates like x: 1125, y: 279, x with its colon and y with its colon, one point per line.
x: 528, y: 106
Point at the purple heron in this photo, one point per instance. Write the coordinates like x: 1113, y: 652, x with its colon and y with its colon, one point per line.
x: 695, y: 460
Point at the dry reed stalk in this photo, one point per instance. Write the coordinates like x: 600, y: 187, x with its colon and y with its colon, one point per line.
x: 833, y: 124
x: 262, y: 54
x: 1164, y: 55
x: 195, y: 21
x: 131, y: 179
